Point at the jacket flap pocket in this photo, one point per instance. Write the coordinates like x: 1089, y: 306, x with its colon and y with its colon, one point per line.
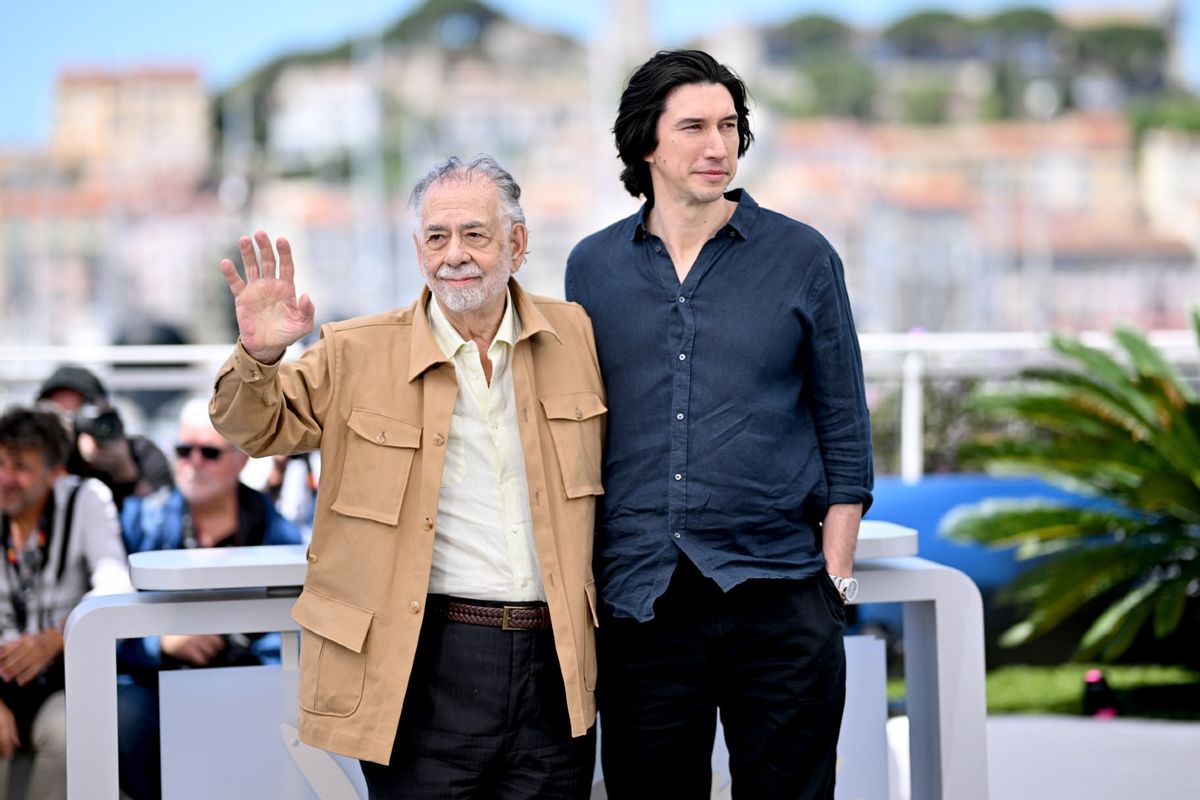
x: 333, y: 620
x: 384, y: 430
x: 577, y: 406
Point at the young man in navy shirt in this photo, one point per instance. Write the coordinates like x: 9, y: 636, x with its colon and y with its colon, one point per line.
x: 738, y: 458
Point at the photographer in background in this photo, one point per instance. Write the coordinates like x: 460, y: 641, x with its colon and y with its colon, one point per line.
x: 130, y: 465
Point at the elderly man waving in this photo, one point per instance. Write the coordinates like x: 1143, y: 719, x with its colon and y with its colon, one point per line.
x: 448, y: 612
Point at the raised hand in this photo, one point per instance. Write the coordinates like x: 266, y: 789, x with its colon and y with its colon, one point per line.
x: 269, y: 316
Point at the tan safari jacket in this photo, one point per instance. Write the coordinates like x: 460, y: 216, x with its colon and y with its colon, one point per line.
x: 375, y: 395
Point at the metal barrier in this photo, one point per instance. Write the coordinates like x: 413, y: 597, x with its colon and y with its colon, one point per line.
x: 907, y: 359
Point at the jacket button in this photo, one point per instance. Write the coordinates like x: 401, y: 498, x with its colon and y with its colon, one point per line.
x: 438, y: 439
x: 312, y: 557
x: 427, y: 524
x: 381, y: 438
x: 414, y: 607
x: 578, y: 414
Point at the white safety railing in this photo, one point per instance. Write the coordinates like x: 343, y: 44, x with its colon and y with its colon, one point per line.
x: 906, y: 359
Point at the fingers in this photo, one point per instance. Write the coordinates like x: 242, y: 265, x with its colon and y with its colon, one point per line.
x: 287, y: 268
x: 236, y: 284
x: 249, y: 259
x: 205, y: 647
x: 307, y: 308
x: 266, y: 253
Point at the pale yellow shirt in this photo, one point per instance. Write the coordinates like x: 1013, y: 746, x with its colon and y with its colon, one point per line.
x: 483, y: 547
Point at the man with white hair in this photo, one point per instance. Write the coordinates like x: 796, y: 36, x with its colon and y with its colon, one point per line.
x: 448, y: 611
x: 207, y: 507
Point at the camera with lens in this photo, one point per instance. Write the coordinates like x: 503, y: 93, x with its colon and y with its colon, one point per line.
x: 102, y: 423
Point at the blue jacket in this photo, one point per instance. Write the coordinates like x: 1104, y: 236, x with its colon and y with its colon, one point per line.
x: 157, y: 521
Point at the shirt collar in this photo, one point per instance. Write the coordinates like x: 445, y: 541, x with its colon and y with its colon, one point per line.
x: 426, y: 351
x: 741, y: 223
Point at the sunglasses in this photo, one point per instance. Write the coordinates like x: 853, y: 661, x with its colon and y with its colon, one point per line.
x: 207, y: 452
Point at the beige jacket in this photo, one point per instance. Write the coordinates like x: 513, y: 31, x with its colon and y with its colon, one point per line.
x: 375, y: 395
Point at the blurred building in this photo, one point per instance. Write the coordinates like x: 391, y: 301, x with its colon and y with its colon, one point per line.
x: 973, y: 176
x: 146, y: 124
x: 988, y: 226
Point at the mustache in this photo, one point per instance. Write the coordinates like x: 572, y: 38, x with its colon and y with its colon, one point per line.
x: 448, y: 273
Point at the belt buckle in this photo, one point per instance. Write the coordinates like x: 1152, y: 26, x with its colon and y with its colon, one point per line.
x: 505, y: 619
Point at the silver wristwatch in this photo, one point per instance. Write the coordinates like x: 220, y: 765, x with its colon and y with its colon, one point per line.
x: 847, y: 587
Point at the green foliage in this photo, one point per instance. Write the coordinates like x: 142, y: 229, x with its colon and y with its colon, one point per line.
x: 1023, y: 21
x: 1179, y: 112
x: 1128, y: 430
x: 843, y: 84
x: 928, y: 31
x: 817, y: 32
x: 1161, y: 692
x: 925, y: 104
x: 1129, y: 51
x: 951, y: 421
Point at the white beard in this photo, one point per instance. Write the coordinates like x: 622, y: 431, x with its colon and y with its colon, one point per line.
x: 474, y: 297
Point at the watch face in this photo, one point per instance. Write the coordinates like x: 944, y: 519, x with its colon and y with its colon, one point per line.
x: 850, y: 589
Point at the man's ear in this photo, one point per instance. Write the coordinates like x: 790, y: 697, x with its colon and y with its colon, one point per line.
x: 518, y: 239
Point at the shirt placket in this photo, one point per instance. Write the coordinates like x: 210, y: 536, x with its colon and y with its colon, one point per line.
x: 682, y: 369
x: 517, y: 535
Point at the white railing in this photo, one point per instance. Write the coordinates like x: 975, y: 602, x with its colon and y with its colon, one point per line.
x: 908, y: 359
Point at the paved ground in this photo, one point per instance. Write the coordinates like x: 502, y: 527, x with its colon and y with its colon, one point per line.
x: 1079, y: 758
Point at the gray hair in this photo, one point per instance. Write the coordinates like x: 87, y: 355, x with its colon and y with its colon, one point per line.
x: 455, y: 169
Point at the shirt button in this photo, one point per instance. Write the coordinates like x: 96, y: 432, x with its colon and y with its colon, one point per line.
x: 679, y: 416
x: 438, y: 439
x: 677, y: 534
x: 658, y: 248
x: 381, y: 438
x: 427, y: 524
x: 678, y: 477
x: 414, y: 607
x: 683, y: 356
x: 682, y: 299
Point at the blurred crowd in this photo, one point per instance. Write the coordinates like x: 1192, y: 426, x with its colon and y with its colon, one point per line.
x: 79, y: 493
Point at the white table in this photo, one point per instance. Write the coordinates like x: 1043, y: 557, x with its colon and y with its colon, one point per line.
x: 231, y: 590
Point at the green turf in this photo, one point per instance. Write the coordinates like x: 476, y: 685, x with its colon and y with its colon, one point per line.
x: 1160, y: 692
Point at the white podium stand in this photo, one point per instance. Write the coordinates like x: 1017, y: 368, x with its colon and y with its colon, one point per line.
x: 232, y: 590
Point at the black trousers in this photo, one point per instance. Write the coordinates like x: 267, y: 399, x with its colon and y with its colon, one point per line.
x: 485, y: 716
x: 769, y: 655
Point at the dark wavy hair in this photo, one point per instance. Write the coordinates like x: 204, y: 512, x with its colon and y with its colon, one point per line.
x: 645, y: 97
x: 26, y: 429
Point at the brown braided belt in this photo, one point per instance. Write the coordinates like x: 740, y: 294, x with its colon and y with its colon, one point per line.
x: 509, y: 618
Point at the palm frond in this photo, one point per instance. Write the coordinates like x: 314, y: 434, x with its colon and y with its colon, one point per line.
x: 1113, y: 631
x: 1150, y: 363
x: 1010, y: 522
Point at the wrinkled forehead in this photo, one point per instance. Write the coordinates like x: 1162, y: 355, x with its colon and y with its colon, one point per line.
x: 459, y: 199
x: 23, y: 456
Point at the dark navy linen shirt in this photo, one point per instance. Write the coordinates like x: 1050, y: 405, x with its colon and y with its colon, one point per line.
x: 736, y: 407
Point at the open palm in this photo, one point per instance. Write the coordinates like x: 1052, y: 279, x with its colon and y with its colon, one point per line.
x: 269, y: 315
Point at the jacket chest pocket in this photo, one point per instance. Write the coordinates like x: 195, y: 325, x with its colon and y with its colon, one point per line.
x: 379, y: 456
x: 333, y: 661
x: 577, y: 427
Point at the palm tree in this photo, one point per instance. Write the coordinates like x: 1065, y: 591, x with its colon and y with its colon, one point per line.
x: 1127, y: 431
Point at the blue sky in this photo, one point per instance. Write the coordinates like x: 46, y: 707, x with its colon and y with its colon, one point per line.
x: 226, y: 38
